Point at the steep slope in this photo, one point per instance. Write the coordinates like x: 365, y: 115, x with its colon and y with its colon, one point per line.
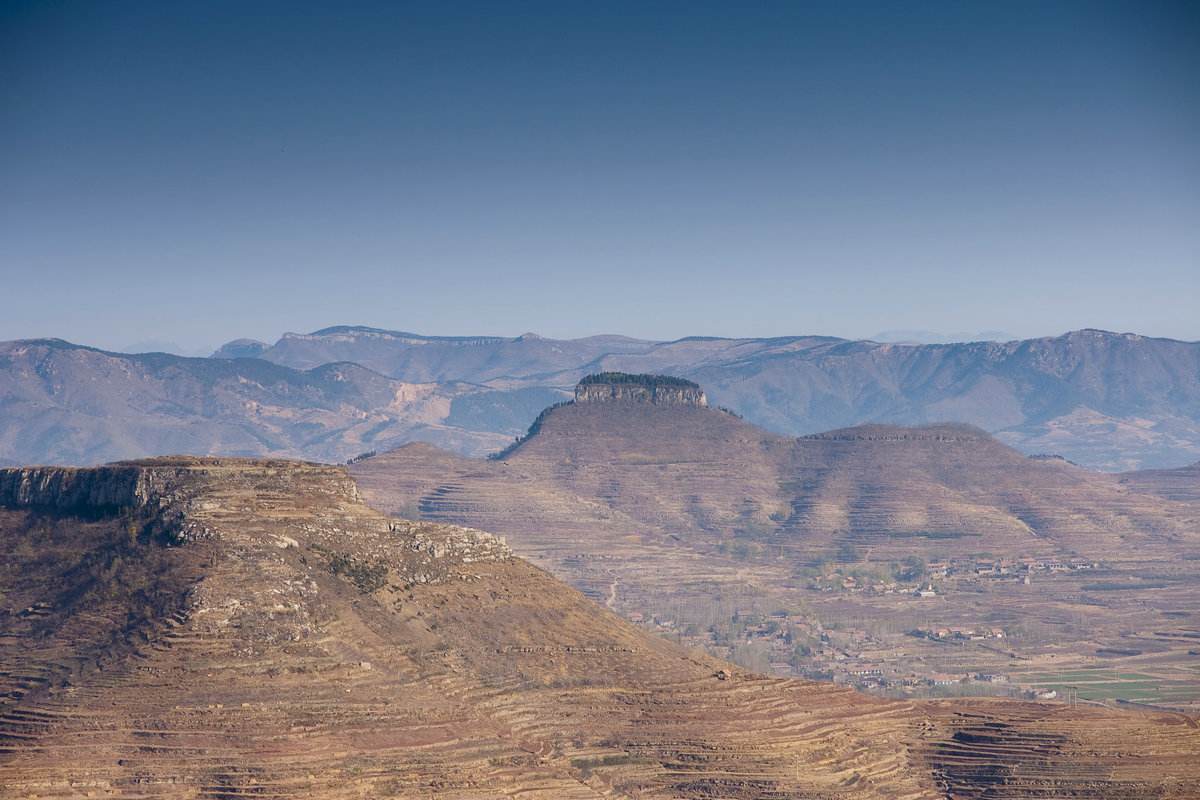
x: 702, y: 476
x: 248, y: 628
x: 196, y: 627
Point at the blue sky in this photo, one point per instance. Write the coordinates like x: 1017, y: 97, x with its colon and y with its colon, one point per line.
x: 198, y: 172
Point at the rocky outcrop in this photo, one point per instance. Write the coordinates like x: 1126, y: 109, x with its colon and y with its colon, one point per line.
x: 653, y: 389
x: 656, y: 395
x: 101, y: 490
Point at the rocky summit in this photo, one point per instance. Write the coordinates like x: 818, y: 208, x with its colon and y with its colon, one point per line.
x: 659, y: 390
x: 223, y: 628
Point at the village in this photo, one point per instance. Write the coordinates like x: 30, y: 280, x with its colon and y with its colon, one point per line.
x: 787, y: 646
x: 799, y: 645
x: 922, y: 579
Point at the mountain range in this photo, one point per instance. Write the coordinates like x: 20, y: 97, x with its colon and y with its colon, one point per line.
x: 1109, y: 401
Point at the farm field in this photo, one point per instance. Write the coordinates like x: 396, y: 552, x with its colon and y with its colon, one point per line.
x: 1162, y: 680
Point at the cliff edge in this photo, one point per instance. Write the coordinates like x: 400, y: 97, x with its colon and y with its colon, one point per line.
x: 659, y: 390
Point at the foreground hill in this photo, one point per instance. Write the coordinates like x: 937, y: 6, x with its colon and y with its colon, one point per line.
x: 195, y: 627
x: 693, y: 517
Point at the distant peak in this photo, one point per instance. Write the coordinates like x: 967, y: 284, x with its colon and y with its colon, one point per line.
x: 241, y: 348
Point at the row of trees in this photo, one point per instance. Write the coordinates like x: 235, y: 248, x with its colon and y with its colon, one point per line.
x: 650, y: 381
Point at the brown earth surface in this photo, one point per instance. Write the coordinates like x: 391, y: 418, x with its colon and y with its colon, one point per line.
x: 1182, y: 484
x: 693, y: 518
x: 214, y: 628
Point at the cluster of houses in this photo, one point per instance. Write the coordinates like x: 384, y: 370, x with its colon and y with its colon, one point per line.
x: 797, y: 646
x: 956, y: 568
x: 967, y: 567
x: 975, y: 633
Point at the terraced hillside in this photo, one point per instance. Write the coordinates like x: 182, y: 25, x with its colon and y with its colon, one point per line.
x: 213, y: 628
x: 1182, y: 484
x: 690, y: 515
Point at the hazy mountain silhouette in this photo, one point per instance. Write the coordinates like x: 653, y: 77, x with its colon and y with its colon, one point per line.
x: 1108, y: 401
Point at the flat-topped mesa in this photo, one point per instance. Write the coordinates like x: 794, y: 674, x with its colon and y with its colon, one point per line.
x: 659, y: 390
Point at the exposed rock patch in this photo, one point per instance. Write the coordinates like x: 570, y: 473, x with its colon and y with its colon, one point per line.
x: 659, y: 390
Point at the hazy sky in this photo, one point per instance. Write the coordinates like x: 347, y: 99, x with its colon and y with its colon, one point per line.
x: 198, y: 172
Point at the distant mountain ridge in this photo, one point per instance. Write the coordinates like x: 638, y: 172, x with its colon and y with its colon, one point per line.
x: 61, y: 403
x: 1106, y: 400
x: 1109, y: 401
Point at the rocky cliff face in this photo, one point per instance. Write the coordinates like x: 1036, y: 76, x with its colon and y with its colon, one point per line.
x: 104, y: 489
x: 637, y: 393
x: 193, y: 498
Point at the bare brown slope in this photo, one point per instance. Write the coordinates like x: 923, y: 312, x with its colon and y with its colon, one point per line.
x: 966, y: 488
x: 692, y: 517
x: 304, y: 645
x: 1182, y: 484
x: 320, y: 649
x: 700, y: 477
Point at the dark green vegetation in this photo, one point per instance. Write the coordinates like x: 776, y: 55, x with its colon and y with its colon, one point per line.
x: 369, y: 576
x: 622, y: 379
